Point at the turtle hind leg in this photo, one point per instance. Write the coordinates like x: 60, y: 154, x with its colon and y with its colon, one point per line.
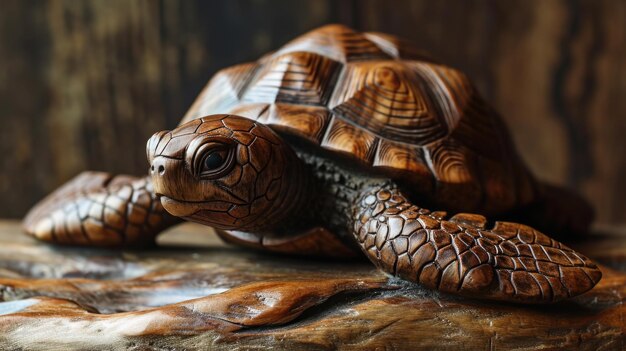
x: 98, y: 209
x: 460, y: 255
x: 563, y: 213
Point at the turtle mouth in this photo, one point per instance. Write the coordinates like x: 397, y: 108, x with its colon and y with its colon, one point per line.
x: 177, y: 207
x: 184, y: 208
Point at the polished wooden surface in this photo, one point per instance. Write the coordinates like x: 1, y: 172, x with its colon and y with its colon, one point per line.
x: 244, y: 299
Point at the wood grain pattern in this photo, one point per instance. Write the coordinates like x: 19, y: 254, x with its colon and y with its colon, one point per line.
x: 382, y: 97
x: 410, y: 103
x: 507, y: 261
x: 301, y: 77
x: 350, y: 140
x: 540, y: 64
x: 211, y: 294
x: 237, y: 175
x: 397, y: 156
x: 397, y: 47
x: 222, y: 92
x: 553, y: 68
x: 305, y: 121
x: 337, y: 42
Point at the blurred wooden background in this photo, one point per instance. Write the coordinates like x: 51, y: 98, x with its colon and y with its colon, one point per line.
x: 83, y: 84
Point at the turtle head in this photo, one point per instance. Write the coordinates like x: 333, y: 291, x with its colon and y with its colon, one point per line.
x: 225, y: 171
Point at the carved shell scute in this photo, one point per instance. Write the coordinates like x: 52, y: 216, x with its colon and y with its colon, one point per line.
x: 378, y: 100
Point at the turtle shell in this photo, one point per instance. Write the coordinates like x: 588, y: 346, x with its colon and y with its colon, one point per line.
x: 378, y: 100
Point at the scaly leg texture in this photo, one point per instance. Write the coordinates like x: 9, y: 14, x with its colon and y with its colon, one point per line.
x: 97, y: 209
x: 460, y: 255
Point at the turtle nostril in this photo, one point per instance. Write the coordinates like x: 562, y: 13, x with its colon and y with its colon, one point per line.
x: 158, y: 167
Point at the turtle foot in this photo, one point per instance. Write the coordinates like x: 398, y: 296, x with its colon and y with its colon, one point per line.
x: 97, y: 209
x: 460, y: 255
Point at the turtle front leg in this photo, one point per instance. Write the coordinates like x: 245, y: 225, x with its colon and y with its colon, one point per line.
x: 460, y: 255
x: 98, y: 209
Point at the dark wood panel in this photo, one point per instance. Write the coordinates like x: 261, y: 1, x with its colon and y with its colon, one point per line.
x: 84, y: 84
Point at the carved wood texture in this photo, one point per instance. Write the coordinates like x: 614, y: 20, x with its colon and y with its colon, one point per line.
x: 97, y: 209
x: 378, y: 106
x: 357, y: 94
x: 463, y: 255
x: 260, y: 184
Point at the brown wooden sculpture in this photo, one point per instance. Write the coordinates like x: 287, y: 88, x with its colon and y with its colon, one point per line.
x: 329, y: 146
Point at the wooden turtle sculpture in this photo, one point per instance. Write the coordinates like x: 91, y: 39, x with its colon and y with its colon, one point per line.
x: 330, y: 146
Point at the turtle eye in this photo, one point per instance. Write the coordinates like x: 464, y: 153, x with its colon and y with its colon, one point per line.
x: 214, y: 160
x: 210, y: 158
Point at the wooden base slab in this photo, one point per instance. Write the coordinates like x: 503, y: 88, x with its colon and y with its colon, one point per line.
x: 197, y: 293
